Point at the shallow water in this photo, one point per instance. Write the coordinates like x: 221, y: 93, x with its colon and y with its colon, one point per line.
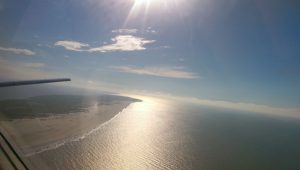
x: 162, y: 135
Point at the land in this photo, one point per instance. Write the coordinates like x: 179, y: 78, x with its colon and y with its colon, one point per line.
x: 36, y: 122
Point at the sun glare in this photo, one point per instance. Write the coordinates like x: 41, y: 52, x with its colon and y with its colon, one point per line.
x: 141, y: 1
x: 141, y: 8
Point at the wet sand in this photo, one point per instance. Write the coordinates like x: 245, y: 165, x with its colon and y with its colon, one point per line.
x: 31, y: 135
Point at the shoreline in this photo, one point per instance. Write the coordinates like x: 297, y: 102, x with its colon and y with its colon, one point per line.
x: 36, y: 135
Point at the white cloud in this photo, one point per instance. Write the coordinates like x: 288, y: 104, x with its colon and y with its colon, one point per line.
x: 166, y: 71
x: 124, y: 43
x: 120, y: 43
x: 17, y: 51
x: 125, y: 31
x: 71, y: 45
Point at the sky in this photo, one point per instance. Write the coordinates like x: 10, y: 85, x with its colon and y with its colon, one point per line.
x: 235, y: 51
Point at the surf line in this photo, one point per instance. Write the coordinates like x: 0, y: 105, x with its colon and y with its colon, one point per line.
x: 58, y: 144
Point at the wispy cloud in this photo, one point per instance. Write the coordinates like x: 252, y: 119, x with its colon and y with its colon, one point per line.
x: 33, y: 65
x: 181, y: 59
x: 125, y: 31
x: 72, y: 45
x: 150, y: 30
x: 161, y: 71
x: 15, y: 70
x: 134, y: 31
x: 166, y: 46
x: 17, y: 51
x: 124, y: 43
x: 119, y: 43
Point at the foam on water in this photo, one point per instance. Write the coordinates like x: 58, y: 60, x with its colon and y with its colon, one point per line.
x: 58, y: 144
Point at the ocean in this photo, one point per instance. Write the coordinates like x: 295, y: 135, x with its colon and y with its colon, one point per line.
x: 171, y: 135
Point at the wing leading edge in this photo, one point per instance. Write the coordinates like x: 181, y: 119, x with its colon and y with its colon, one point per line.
x: 30, y: 82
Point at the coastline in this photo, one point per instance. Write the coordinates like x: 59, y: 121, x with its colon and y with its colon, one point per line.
x: 37, y: 135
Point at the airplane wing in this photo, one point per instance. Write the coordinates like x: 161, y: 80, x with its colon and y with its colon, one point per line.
x: 11, y: 159
x: 30, y: 82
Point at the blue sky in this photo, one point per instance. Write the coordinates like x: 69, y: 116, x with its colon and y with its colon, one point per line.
x: 232, y: 50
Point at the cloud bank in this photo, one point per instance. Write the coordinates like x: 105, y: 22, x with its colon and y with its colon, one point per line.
x: 245, y: 108
x: 249, y: 107
x: 18, y: 51
x: 161, y: 71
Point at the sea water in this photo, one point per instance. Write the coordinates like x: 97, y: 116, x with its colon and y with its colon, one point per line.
x: 162, y: 135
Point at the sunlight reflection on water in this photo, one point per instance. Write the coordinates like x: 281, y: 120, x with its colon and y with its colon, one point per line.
x: 157, y: 134
x: 137, y: 137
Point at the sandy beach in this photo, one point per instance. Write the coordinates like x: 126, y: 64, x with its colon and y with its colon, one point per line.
x: 31, y: 135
